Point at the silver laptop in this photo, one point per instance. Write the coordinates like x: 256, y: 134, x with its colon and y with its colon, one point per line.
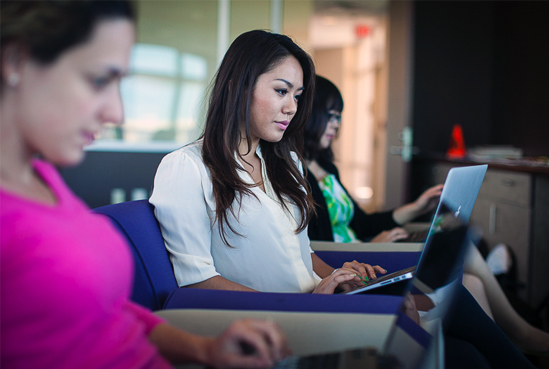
x: 408, y: 343
x: 459, y: 194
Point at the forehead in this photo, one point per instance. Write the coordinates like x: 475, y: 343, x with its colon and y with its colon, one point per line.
x: 287, y: 69
x: 110, y: 43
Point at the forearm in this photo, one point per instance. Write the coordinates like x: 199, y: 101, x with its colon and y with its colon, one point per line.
x: 426, y: 202
x: 322, y: 269
x: 220, y: 283
x: 405, y: 213
x: 180, y: 347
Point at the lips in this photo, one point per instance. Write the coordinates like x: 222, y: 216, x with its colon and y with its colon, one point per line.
x: 283, y: 125
x: 88, y: 137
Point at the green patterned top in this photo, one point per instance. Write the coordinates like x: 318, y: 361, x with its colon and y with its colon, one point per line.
x: 340, y: 207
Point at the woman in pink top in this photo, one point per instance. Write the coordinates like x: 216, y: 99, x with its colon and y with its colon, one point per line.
x: 65, y: 273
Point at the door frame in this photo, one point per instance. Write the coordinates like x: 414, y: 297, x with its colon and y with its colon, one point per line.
x: 399, y: 102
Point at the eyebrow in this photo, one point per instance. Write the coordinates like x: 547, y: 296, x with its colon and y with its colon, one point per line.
x: 291, y: 85
x: 117, y: 72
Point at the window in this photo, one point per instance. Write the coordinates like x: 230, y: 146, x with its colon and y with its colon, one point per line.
x: 162, y: 97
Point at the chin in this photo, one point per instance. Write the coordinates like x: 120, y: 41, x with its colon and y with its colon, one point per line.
x: 69, y: 160
x: 274, y: 138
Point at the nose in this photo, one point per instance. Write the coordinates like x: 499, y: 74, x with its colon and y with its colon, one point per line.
x: 334, y: 121
x: 113, y: 110
x: 333, y: 124
x: 290, y: 108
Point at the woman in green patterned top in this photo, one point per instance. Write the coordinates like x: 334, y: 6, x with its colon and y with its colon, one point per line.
x: 338, y: 217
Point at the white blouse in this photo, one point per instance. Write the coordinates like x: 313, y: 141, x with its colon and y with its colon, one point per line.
x: 268, y: 257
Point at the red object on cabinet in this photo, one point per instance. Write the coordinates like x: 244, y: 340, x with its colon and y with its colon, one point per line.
x: 457, y: 144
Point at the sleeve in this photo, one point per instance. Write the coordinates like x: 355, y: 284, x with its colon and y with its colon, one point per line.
x: 181, y: 207
x: 367, y: 226
x: 144, y: 315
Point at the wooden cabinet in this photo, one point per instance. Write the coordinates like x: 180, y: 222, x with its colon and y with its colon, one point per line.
x: 512, y: 208
x: 503, y: 211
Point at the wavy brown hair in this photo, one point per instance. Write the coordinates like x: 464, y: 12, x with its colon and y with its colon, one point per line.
x: 250, y: 55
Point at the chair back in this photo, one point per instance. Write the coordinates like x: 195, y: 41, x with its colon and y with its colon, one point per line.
x: 154, y: 279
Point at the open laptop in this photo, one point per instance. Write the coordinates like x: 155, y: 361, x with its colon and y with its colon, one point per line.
x: 460, y: 192
x: 459, y: 195
x: 408, y: 343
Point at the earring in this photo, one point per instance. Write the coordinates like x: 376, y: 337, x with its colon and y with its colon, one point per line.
x: 13, y: 79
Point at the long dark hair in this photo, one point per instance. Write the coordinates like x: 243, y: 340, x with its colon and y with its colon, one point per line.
x: 47, y: 28
x: 327, y: 97
x: 250, y: 55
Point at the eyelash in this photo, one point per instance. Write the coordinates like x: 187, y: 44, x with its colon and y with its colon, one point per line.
x: 283, y: 91
x: 100, y: 82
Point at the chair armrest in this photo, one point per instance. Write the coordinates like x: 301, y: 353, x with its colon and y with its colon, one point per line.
x: 194, y: 298
x: 390, y: 256
x: 367, y: 246
x: 307, y: 333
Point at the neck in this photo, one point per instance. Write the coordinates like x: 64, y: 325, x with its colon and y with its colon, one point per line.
x: 246, y: 151
x: 15, y: 163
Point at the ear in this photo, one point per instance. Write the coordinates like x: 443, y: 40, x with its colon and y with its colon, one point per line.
x: 14, y: 57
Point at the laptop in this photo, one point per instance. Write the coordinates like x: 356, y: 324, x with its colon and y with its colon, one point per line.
x: 460, y: 192
x: 459, y: 195
x: 408, y: 343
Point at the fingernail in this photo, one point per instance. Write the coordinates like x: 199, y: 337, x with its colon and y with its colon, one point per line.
x: 366, y: 278
x: 353, y: 275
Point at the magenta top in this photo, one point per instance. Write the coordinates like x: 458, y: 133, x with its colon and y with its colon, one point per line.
x: 66, y: 278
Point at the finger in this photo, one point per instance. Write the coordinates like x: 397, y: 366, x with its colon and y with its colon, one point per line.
x: 342, y: 272
x: 382, y: 237
x: 355, y: 265
x: 345, y: 286
x: 398, y: 236
x: 329, y: 284
x: 370, y: 272
x: 274, y: 336
x: 379, y: 269
x: 345, y: 270
x: 246, y: 331
x: 347, y: 279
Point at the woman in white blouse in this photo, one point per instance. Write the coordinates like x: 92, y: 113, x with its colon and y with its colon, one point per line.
x: 233, y: 206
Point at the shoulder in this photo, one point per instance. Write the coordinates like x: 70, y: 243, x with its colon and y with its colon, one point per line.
x: 188, y: 158
x: 182, y: 169
x: 192, y: 151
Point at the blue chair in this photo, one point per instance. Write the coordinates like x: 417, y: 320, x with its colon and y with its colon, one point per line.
x: 155, y: 286
x: 154, y: 279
